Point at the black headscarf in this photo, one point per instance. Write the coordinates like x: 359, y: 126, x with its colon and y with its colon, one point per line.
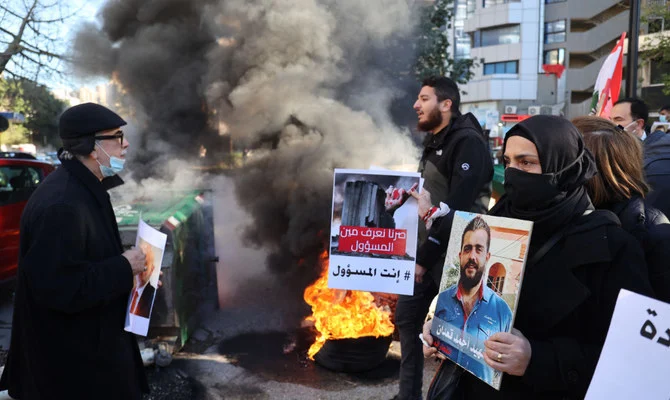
x: 562, y: 154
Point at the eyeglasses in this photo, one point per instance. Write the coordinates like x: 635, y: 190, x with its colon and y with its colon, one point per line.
x: 118, y: 135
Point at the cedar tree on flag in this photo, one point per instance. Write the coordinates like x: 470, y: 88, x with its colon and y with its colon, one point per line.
x: 608, y: 84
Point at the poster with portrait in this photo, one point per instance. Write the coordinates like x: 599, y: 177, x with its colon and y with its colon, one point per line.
x: 141, y: 297
x: 480, y: 286
x: 373, y: 232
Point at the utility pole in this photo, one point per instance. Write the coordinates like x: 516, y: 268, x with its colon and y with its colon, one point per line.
x: 633, y: 45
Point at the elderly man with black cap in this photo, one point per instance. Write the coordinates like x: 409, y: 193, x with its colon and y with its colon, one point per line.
x: 74, y: 278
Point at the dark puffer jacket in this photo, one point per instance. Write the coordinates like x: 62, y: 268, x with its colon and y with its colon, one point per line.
x: 458, y: 170
x: 657, y: 170
x: 652, y: 229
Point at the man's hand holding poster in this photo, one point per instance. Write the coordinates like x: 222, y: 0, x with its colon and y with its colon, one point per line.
x: 141, y: 298
x: 479, y: 289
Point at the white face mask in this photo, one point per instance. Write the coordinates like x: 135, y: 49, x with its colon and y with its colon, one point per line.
x: 662, y: 118
x: 115, y: 164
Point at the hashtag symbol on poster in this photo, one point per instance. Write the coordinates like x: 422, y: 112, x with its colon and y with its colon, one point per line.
x: 407, y: 275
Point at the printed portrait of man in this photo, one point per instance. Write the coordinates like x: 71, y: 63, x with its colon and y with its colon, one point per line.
x: 143, y: 290
x: 469, y: 310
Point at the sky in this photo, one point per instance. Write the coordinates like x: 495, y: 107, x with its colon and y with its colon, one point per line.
x: 85, y: 11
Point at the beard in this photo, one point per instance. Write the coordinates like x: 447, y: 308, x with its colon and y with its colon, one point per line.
x: 468, y: 283
x: 434, y: 119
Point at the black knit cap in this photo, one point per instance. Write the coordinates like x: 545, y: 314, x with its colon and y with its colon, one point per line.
x: 86, y: 119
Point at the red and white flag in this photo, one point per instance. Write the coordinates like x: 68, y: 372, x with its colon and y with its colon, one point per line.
x: 608, y: 84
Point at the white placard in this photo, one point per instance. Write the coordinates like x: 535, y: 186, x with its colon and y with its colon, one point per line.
x: 141, y: 297
x: 635, y: 360
x: 373, y: 248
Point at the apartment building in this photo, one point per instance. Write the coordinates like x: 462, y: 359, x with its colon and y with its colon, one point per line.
x: 514, y: 39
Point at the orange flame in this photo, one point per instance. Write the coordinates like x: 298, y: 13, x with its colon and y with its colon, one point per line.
x: 343, y: 314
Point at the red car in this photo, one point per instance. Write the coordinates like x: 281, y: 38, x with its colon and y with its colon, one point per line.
x: 18, y: 180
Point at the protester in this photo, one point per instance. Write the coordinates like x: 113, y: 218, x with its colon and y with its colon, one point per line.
x: 632, y: 115
x: 457, y: 169
x: 74, y: 278
x: 578, y: 260
x: 620, y: 187
x: 664, y: 113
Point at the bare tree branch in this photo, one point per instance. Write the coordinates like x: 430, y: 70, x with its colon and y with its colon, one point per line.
x: 29, y: 37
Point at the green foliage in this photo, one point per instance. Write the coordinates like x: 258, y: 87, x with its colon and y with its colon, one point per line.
x: 656, y: 49
x: 433, y: 44
x: 40, y: 108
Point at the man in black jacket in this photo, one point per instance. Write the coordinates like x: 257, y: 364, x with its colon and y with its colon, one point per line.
x: 74, y: 278
x: 632, y: 115
x: 457, y: 169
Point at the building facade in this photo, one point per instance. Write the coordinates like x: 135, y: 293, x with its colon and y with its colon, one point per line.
x: 513, y: 40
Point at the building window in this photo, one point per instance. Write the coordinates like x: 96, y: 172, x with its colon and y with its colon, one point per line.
x: 509, y: 34
x: 657, y: 70
x: 655, y: 24
x: 554, y: 32
x: 505, y: 67
x: 491, y: 3
x: 556, y: 56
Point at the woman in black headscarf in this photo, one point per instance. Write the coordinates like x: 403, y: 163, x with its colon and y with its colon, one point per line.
x: 578, y: 261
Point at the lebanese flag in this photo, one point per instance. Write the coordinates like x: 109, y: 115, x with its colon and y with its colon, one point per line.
x: 608, y: 84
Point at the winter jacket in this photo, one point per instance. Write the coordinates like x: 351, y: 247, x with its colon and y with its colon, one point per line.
x: 458, y: 170
x: 652, y: 230
x: 657, y: 170
x: 73, y: 285
x: 565, y: 306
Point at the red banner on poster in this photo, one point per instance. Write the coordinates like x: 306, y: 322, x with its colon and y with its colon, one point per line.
x: 360, y: 239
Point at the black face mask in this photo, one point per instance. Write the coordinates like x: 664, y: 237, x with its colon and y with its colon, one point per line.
x: 527, y: 191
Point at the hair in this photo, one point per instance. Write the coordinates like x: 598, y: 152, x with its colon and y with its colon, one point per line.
x: 618, y: 158
x: 445, y: 88
x: 665, y: 107
x: 638, y: 109
x: 475, y: 224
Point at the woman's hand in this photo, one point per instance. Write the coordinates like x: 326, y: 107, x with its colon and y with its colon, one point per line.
x: 507, y: 352
x: 429, y: 350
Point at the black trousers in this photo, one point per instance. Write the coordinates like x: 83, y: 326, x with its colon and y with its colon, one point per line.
x: 409, y: 316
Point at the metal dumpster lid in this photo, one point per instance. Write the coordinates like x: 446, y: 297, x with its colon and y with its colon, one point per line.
x: 170, y: 208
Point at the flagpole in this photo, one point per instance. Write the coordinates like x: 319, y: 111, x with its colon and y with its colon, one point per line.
x: 633, y: 44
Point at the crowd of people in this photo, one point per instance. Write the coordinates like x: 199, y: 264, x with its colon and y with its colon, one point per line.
x: 596, y: 191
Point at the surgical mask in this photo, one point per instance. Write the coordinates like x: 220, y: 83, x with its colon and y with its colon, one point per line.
x: 631, y: 128
x: 662, y: 118
x: 115, y: 164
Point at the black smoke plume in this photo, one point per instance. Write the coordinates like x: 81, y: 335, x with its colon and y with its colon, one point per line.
x: 307, y: 83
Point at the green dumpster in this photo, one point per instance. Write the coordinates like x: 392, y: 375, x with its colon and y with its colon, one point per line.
x: 189, y: 275
x: 498, y: 181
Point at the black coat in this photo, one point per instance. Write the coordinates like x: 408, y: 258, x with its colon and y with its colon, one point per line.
x: 652, y: 229
x: 72, y: 290
x: 457, y: 168
x: 565, y: 306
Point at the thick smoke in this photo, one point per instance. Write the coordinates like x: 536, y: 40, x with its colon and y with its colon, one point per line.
x: 307, y: 83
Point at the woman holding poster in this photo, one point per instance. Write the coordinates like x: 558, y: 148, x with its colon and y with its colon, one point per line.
x: 578, y: 261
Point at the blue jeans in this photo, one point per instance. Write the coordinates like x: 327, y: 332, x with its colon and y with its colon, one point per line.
x: 409, y: 316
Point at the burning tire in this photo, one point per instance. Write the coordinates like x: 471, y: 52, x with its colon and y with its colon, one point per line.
x: 353, y: 355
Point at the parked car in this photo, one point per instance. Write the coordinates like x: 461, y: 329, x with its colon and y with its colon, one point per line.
x: 18, y: 179
x: 17, y: 154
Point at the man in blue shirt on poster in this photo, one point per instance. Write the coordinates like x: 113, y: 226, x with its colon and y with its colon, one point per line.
x: 468, y: 312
